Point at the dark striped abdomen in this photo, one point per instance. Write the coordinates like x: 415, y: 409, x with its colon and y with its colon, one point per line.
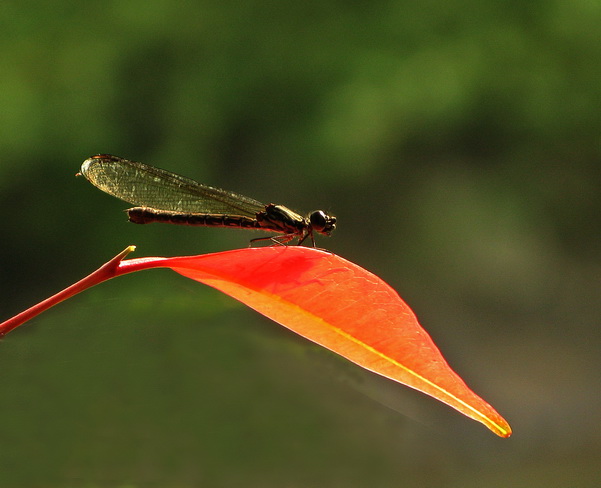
x: 146, y: 215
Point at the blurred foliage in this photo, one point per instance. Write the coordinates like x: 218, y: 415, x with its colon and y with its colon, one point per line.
x: 458, y: 143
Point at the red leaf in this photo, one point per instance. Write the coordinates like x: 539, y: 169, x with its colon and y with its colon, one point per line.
x: 322, y: 297
x: 340, y: 306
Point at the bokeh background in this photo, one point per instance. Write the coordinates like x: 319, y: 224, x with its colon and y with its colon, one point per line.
x: 459, y: 145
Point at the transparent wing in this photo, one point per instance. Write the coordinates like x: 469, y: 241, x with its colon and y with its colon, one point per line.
x: 147, y: 186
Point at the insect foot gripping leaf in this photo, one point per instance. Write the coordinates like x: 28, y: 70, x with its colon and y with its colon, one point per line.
x: 344, y: 308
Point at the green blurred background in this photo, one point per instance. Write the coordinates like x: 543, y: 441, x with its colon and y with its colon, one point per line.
x: 459, y: 145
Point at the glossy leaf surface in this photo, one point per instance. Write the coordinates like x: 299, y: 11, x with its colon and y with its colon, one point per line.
x: 342, y: 307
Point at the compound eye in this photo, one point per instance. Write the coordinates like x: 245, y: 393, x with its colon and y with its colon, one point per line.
x: 318, y: 220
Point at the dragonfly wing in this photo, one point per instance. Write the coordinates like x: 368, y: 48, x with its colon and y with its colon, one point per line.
x: 147, y: 186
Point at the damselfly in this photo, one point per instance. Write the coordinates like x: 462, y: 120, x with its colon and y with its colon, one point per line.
x: 162, y: 196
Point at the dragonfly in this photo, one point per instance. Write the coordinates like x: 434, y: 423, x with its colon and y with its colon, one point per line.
x: 165, y: 197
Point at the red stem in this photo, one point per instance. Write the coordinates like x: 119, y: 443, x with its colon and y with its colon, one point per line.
x: 113, y: 268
